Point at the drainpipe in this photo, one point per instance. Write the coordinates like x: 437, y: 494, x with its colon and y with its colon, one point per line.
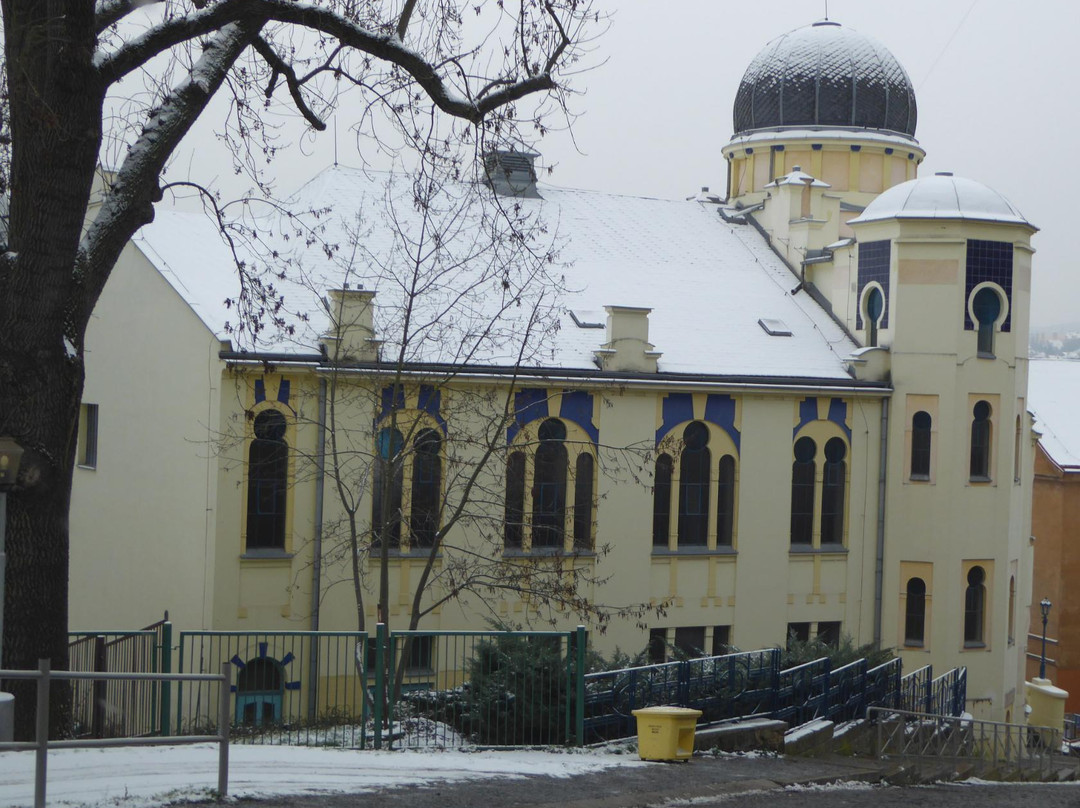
x: 879, y: 561
x: 316, y: 561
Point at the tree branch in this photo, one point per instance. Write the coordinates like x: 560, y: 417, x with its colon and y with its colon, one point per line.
x: 110, y: 12
x: 281, y: 68
x: 403, y: 20
x: 386, y: 47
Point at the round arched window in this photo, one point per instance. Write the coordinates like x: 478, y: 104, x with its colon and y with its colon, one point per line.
x: 986, y: 306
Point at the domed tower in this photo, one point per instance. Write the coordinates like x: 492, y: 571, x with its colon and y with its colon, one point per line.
x: 939, y: 294
x: 831, y: 101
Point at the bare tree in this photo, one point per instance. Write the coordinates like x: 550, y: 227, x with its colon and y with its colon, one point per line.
x: 64, y: 62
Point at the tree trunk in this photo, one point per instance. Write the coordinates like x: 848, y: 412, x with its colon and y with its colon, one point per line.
x: 55, y: 109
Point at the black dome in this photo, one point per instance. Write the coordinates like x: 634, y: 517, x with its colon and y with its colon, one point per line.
x: 825, y: 75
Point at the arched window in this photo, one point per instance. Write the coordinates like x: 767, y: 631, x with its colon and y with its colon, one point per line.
x: 832, y: 492
x: 980, y: 442
x: 974, y: 606
x: 386, y: 488
x: 694, y: 486
x: 1012, y: 610
x: 802, y: 492
x: 986, y: 305
x: 875, y: 305
x: 515, y: 500
x: 1016, y: 451
x: 426, y: 487
x: 268, y: 481
x: 583, y: 502
x: 549, y: 486
x: 920, y: 445
x: 725, y: 501
x: 662, y: 501
x: 259, y: 691
x: 915, y: 612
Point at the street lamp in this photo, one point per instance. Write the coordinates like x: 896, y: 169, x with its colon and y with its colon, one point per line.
x: 1044, y: 605
x: 10, y: 456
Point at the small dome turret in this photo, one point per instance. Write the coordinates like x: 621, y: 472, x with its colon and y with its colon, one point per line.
x: 942, y: 196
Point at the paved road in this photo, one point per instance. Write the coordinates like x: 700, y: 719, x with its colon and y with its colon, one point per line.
x: 1005, y: 795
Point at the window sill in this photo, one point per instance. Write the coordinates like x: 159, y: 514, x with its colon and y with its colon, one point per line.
x: 975, y: 646
x: 915, y: 645
x: 547, y: 552
x: 919, y: 478
x: 695, y: 551
x: 980, y: 480
x: 984, y: 355
x: 825, y: 549
x: 266, y: 555
x: 86, y: 466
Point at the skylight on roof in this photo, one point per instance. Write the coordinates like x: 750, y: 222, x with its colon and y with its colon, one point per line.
x: 774, y: 327
x: 587, y: 319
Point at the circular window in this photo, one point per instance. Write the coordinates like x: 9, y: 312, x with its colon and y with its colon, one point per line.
x: 270, y: 425
x: 835, y: 450
x: 552, y: 429
x: 976, y: 576
x: 696, y: 436
x: 805, y: 450
x: 982, y: 411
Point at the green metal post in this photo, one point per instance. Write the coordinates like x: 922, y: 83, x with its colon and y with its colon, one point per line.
x: 166, y: 667
x: 380, y: 680
x: 579, y: 680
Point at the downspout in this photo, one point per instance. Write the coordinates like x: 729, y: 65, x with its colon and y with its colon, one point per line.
x: 316, y: 561
x: 879, y: 561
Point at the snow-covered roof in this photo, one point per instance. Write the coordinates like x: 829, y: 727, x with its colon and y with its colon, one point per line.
x: 942, y: 196
x: 1053, y: 394
x: 707, y: 282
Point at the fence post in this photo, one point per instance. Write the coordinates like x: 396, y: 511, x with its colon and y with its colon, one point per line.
x: 165, y: 658
x: 41, y: 733
x: 579, y: 681
x: 928, y: 697
x: 99, y: 690
x: 223, y: 730
x: 380, y: 680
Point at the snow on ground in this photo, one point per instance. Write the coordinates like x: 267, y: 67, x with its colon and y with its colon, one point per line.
x: 152, y: 776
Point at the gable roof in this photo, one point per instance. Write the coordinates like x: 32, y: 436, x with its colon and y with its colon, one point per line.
x: 1053, y: 393
x: 707, y: 282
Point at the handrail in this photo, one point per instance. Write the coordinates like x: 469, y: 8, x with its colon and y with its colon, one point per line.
x: 41, y: 745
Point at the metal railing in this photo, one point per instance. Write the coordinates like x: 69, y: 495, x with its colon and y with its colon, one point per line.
x: 41, y: 745
x: 1024, y: 749
x: 722, y: 687
x: 291, y: 687
x: 505, y: 688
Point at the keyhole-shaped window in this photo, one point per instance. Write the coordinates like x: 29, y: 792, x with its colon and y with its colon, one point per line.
x: 875, y: 306
x: 986, y: 306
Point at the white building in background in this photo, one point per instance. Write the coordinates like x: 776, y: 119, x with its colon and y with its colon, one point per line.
x: 823, y: 376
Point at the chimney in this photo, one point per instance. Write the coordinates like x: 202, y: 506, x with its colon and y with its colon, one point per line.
x: 511, y: 173
x: 627, y: 346
x: 352, y: 325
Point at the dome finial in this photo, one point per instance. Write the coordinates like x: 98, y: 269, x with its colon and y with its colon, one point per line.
x: 826, y: 9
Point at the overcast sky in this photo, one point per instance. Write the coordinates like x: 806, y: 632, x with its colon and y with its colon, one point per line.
x: 995, y: 81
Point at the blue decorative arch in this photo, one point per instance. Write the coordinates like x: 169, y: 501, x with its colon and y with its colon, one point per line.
x: 678, y: 408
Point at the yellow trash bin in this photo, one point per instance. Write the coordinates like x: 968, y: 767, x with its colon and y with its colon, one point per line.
x: 666, y: 733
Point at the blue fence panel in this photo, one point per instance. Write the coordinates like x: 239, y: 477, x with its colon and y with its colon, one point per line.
x: 802, y: 692
x: 847, y: 697
x: 915, y: 693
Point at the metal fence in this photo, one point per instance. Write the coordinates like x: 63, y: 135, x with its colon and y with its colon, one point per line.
x: 291, y: 687
x: 449, y: 688
x: 1013, y: 749
x: 920, y: 692
x: 120, y: 708
x: 722, y: 687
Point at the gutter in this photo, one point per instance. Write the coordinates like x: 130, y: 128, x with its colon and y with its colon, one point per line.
x: 879, y: 556
x: 316, y: 565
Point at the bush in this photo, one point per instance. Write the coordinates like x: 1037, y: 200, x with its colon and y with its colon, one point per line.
x: 799, y: 652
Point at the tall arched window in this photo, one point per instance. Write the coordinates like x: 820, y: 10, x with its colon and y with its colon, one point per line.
x: 1016, y: 451
x: 583, y: 502
x: 426, y: 487
x: 980, y: 442
x: 514, y: 528
x: 694, y: 486
x: 549, y: 486
x: 802, y: 492
x: 875, y: 305
x: 662, y: 500
x: 268, y: 481
x: 975, y: 607
x: 986, y: 305
x: 725, y: 501
x: 1012, y: 610
x: 920, y: 445
x: 833, y: 491
x: 915, y: 612
x: 386, y: 488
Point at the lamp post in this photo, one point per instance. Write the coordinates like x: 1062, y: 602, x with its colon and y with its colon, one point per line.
x: 1044, y: 605
x: 10, y: 456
